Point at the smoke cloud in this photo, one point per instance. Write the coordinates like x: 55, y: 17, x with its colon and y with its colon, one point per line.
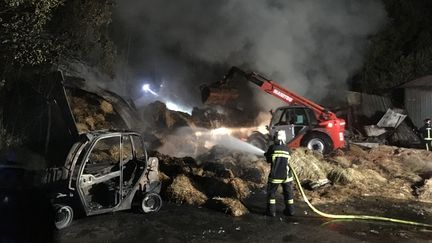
x: 309, y: 46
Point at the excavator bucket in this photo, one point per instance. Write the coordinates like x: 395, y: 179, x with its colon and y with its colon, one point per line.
x: 218, y: 95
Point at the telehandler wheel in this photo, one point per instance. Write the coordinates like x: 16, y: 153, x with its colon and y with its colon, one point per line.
x: 317, y: 142
x: 63, y: 216
x: 151, y: 202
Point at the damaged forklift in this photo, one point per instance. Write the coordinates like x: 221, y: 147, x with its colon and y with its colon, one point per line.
x: 92, y: 162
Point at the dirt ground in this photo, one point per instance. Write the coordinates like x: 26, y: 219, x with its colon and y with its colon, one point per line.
x: 182, y: 223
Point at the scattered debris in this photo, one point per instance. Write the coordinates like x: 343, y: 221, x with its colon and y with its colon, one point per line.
x: 374, y: 131
x: 391, y: 119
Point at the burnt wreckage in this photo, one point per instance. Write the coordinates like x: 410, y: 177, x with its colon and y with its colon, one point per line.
x: 92, y: 162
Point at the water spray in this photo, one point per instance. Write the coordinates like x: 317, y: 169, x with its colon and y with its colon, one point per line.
x: 223, y: 137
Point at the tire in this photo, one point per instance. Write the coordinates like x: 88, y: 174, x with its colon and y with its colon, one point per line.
x: 258, y: 140
x: 151, y: 203
x: 318, y: 142
x: 63, y: 216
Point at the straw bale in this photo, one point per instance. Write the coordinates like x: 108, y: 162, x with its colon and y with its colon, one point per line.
x: 106, y: 107
x: 182, y: 190
x: 240, y: 188
x: 82, y: 127
x: 308, y: 166
x: 425, y: 193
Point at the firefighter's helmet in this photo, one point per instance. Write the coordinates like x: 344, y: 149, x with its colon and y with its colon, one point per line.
x: 280, y: 137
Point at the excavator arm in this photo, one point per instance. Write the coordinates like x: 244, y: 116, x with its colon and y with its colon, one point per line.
x: 220, y: 91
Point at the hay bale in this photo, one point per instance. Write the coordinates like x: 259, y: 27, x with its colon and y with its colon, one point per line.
x: 240, y: 188
x: 172, y: 166
x: 182, y: 190
x: 359, y: 177
x: 339, y: 176
x: 160, y: 117
x: 425, y: 193
x: 242, y: 165
x: 308, y: 166
x: 106, y: 107
x: 256, y: 175
x: 82, y: 128
x: 228, y: 205
x: 218, y: 169
x: 90, y: 121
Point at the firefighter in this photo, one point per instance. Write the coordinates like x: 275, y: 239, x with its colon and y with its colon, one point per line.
x: 426, y: 133
x: 278, y: 156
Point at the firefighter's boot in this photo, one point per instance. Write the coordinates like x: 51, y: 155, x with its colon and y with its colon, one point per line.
x: 289, y: 210
x: 271, y: 210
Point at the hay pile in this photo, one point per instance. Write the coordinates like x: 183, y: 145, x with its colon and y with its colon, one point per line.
x: 219, y: 183
x: 222, y: 179
x: 425, y: 192
x: 385, y: 171
x: 159, y: 117
x: 183, y: 190
x: 92, y: 112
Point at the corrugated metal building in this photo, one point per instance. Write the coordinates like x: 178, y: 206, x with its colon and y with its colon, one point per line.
x: 373, y: 107
x: 368, y: 104
x: 418, y: 99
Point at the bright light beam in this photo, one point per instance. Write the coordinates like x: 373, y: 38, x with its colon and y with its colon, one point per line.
x: 146, y: 88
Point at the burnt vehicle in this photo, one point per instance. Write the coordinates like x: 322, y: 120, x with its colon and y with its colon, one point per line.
x: 105, y: 171
x: 92, y: 160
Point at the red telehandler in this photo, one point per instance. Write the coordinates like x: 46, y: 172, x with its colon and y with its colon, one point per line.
x: 306, y: 123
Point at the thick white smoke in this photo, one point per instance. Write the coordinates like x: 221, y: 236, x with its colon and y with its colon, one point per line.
x: 309, y: 46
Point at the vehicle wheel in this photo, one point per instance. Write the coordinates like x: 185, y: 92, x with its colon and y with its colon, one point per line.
x: 258, y: 140
x: 318, y: 142
x: 151, y: 202
x: 63, y: 216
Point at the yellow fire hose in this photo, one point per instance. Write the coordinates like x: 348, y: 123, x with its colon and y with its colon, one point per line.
x: 362, y: 217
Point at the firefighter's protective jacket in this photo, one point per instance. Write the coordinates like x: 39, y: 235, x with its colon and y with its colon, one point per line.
x: 278, y: 156
x: 426, y: 132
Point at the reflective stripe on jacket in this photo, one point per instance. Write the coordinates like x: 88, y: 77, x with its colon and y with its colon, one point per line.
x: 426, y: 132
x: 278, y: 156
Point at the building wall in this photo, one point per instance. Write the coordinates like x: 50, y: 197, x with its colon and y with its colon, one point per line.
x: 418, y: 103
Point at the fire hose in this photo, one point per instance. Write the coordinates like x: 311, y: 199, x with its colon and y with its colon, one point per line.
x: 354, y: 217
